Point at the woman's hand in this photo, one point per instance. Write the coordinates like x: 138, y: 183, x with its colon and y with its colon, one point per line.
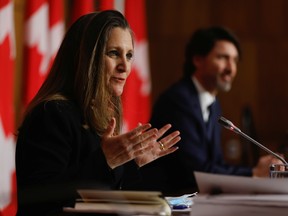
x: 123, y: 148
x: 161, y: 148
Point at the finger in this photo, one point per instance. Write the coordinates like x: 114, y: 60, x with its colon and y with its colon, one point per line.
x: 142, y: 139
x: 173, y: 141
x: 138, y: 130
x: 276, y: 161
x: 110, y: 129
x: 129, y: 145
x: 145, y: 138
x: 168, y: 145
x: 167, y: 151
x: 170, y: 140
x: 164, y: 129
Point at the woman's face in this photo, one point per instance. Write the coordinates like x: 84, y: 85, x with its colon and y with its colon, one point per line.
x: 118, y: 59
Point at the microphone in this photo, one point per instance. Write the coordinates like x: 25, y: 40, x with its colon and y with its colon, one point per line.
x: 230, y: 126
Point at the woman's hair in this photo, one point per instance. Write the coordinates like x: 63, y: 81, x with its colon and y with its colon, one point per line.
x: 203, y: 41
x: 78, y: 72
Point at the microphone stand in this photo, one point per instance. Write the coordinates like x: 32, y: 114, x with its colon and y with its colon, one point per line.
x: 230, y: 126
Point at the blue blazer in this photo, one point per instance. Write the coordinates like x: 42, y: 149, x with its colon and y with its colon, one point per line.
x: 200, y: 145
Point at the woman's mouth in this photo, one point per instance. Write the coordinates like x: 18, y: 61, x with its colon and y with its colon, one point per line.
x: 119, y: 79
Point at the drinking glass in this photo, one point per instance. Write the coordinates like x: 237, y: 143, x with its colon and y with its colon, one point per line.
x: 279, y: 171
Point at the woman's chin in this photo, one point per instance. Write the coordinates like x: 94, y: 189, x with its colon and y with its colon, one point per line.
x: 117, y: 92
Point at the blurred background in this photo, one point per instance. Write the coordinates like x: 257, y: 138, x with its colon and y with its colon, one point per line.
x: 258, y: 101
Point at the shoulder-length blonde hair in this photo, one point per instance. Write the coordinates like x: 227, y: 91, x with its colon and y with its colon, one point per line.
x: 78, y: 72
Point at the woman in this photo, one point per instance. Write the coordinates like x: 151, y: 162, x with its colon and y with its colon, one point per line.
x: 71, y: 134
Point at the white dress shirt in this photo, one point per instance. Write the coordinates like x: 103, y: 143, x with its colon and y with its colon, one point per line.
x: 206, y: 99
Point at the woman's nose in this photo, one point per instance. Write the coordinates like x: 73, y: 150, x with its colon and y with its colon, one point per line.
x: 123, y: 64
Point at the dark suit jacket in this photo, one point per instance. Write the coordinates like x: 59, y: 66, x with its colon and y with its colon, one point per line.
x: 199, y: 148
x: 55, y: 156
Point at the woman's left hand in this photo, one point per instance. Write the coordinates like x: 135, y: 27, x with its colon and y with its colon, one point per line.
x: 160, y: 148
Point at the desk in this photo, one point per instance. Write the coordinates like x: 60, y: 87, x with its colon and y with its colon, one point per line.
x: 178, y: 213
x: 240, y: 204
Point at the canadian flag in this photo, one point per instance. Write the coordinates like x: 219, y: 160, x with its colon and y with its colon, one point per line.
x: 44, y: 30
x: 80, y: 8
x: 136, y: 95
x: 8, y: 204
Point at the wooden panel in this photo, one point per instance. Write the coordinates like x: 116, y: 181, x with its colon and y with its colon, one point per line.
x: 272, y: 22
x: 273, y: 96
x: 241, y: 16
x: 170, y: 24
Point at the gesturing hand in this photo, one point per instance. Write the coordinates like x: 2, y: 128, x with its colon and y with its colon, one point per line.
x: 123, y: 148
x: 161, y: 148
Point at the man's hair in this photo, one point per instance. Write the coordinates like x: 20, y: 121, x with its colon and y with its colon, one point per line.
x: 202, y: 42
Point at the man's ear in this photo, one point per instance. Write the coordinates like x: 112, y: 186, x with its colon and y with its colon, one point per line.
x: 197, y: 61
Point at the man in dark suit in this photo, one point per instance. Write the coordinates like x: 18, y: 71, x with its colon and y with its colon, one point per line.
x: 192, y: 107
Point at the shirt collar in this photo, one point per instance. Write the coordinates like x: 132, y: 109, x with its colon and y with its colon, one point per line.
x: 205, y: 97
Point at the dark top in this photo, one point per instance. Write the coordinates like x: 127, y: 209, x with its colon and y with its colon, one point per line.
x: 55, y: 156
x: 199, y: 147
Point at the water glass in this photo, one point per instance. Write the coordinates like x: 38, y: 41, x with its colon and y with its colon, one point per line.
x: 279, y: 171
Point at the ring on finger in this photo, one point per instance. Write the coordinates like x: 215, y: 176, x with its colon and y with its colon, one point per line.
x: 162, y: 146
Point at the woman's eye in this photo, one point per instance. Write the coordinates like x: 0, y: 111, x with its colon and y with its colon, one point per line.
x: 116, y: 54
x: 113, y: 53
x: 129, y: 56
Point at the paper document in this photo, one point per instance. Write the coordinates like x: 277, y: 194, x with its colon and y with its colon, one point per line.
x: 217, y: 183
x: 240, y: 204
x: 121, y: 202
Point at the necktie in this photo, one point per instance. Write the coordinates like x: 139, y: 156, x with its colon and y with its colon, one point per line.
x: 209, y: 123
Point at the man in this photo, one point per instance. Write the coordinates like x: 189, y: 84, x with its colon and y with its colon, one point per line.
x: 192, y: 107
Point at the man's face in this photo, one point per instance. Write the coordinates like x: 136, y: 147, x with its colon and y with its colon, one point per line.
x: 217, y: 70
